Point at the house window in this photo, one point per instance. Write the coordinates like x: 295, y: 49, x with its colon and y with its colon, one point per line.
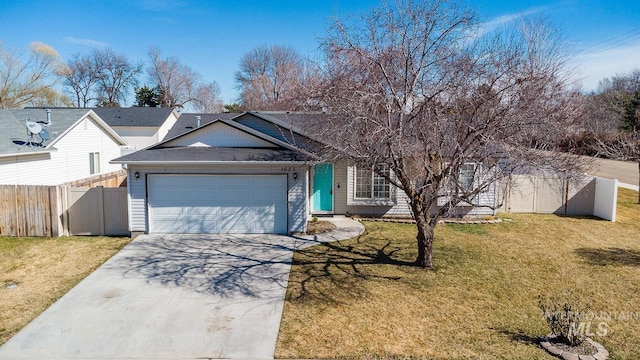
x: 370, y: 185
x: 94, y: 163
x: 467, y: 172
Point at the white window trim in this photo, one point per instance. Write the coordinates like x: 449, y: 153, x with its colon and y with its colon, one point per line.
x: 352, y: 200
x: 473, y: 174
x: 476, y: 171
x: 94, y: 167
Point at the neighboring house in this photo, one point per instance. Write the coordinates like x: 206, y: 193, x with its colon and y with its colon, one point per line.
x: 139, y: 126
x: 65, y: 145
x: 248, y: 173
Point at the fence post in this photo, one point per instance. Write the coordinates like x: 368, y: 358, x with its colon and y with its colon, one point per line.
x: 65, y: 211
x: 101, y: 208
x: 565, y: 195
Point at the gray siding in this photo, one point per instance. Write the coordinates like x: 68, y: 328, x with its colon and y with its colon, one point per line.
x: 137, y: 189
x: 344, y: 185
x: 297, y: 196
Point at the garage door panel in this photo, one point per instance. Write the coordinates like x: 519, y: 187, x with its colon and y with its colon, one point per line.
x: 167, y: 225
x: 240, y: 225
x: 201, y: 226
x: 203, y: 210
x: 217, y: 203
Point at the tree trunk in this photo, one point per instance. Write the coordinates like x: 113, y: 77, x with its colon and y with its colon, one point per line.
x: 425, y: 243
x: 639, y: 180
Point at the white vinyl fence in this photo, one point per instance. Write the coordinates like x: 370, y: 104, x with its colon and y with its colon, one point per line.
x: 95, y: 211
x: 588, y: 196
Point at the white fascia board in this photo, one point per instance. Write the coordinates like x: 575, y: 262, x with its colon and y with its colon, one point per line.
x: 209, y: 162
x: 99, y: 121
x: 45, y: 151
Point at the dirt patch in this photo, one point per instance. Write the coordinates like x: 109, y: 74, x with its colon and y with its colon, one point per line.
x: 319, y: 227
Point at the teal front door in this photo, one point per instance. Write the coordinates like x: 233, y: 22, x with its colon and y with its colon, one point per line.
x: 323, y: 187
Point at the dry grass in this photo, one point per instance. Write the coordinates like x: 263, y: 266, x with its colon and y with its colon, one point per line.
x: 361, y: 298
x: 319, y: 227
x: 44, y: 269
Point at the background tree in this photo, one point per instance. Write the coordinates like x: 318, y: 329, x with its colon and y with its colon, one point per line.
x: 208, y: 99
x: 612, y: 121
x: 415, y: 92
x: 233, y: 108
x: 116, y: 74
x: 28, y: 82
x: 180, y: 85
x: 269, y: 78
x: 80, y: 78
x: 146, y: 96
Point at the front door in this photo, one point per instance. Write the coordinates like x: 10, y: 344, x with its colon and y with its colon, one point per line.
x: 323, y: 187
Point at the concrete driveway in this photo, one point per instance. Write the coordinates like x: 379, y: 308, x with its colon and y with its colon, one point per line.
x: 169, y: 297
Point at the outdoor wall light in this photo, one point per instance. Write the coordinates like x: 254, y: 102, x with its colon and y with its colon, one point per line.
x: 137, y: 175
x: 295, y: 176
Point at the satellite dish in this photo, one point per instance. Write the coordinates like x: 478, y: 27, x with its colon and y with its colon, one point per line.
x: 44, y: 135
x: 34, y: 127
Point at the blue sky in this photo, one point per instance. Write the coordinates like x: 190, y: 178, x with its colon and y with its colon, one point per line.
x: 211, y: 36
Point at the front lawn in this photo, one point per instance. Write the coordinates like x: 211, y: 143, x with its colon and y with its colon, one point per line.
x: 360, y: 298
x: 35, y: 272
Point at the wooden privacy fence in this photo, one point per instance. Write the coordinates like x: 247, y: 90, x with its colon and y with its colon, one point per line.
x: 30, y: 210
x: 108, y: 180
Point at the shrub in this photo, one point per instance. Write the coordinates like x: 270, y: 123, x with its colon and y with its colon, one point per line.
x: 565, y: 314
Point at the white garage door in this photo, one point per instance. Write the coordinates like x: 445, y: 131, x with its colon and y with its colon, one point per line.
x: 198, y: 204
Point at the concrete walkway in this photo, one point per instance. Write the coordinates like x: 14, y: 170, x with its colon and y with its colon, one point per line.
x: 346, y: 228
x: 174, y: 297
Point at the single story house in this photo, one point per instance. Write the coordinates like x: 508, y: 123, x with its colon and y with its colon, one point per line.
x: 250, y: 173
x: 52, y: 147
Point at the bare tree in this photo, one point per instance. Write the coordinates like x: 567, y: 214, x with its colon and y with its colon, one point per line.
x: 417, y: 93
x: 80, y: 79
x: 116, y: 75
x: 30, y: 81
x: 614, y: 118
x: 208, y: 99
x: 180, y: 85
x: 269, y: 78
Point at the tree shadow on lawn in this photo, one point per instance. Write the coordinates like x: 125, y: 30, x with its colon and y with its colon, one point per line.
x: 346, y: 266
x: 610, y: 256
x: 249, y: 266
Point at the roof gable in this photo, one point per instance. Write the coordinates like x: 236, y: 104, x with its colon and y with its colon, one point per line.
x: 13, y: 127
x: 189, y: 121
x: 218, y: 134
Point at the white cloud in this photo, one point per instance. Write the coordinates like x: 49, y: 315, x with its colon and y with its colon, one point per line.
x: 496, y: 22
x: 86, y: 42
x: 593, y: 67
